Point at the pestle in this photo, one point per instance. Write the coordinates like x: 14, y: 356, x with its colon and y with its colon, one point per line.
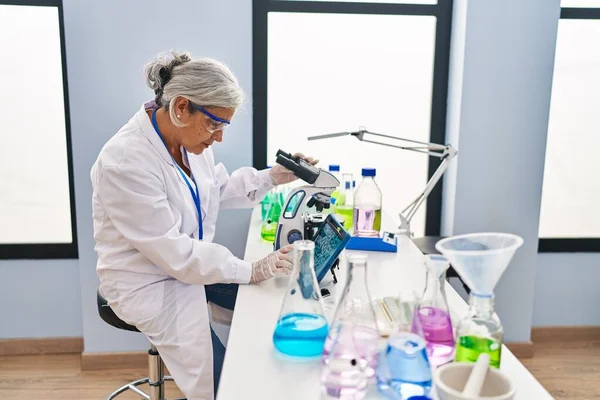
x: 477, y: 377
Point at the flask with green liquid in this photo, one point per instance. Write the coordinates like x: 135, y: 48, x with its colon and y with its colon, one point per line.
x: 479, y: 332
x: 480, y: 259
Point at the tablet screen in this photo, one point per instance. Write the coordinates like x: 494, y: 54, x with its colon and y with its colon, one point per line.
x: 329, y: 243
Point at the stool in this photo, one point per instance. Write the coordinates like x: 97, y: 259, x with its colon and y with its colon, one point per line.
x: 156, y: 379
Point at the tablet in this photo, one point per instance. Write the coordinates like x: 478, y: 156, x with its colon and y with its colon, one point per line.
x: 330, y: 240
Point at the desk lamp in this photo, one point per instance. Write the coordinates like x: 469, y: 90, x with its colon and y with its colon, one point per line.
x: 444, y: 152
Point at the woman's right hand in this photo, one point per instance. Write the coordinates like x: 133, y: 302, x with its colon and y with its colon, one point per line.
x: 277, y: 263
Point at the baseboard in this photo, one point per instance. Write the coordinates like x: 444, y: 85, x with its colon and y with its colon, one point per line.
x: 545, y: 334
x: 521, y: 349
x: 119, y: 360
x: 60, y: 345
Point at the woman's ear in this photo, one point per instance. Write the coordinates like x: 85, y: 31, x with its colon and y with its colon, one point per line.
x: 181, y: 106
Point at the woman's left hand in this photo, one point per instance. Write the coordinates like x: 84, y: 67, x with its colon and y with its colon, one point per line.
x: 280, y: 175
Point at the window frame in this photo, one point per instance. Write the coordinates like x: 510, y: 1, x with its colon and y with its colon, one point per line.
x: 443, y: 13
x: 43, y: 251
x: 572, y: 245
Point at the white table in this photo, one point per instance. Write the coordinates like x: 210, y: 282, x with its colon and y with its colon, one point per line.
x: 252, y: 368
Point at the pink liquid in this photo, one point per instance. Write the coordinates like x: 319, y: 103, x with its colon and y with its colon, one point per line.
x: 367, y: 221
x: 437, y: 329
x: 354, y: 342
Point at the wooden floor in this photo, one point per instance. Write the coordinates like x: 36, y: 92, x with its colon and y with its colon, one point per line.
x: 59, y: 377
x: 569, y: 371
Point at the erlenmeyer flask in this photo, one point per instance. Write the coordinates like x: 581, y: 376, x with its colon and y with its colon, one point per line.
x: 480, y: 259
x: 302, y: 327
x: 350, y: 354
x: 433, y: 314
x: 404, y: 370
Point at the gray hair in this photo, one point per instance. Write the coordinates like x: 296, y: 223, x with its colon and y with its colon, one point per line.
x: 205, y: 82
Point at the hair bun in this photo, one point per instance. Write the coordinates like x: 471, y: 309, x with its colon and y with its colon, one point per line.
x: 160, y: 70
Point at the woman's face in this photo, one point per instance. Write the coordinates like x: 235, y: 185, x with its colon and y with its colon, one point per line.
x: 201, y: 130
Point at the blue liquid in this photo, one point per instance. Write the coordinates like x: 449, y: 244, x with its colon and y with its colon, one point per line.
x: 404, y: 369
x: 301, y: 334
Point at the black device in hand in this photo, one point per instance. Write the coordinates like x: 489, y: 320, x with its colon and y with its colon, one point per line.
x: 302, y: 169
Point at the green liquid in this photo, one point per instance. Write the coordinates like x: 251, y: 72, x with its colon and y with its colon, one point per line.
x: 468, y: 349
x: 269, y: 226
x: 348, y: 213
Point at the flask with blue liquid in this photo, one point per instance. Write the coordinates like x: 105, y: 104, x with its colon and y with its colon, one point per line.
x: 302, y: 328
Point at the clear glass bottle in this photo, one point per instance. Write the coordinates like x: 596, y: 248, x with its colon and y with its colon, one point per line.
x: 345, y: 203
x: 334, y: 169
x: 479, y: 332
x: 433, y: 314
x: 367, y: 206
x: 302, y: 327
x: 351, y: 348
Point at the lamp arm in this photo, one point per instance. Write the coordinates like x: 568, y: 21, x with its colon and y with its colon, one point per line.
x: 414, y: 206
x: 445, y: 152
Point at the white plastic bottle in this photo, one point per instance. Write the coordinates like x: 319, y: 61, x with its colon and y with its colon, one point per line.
x: 367, y: 206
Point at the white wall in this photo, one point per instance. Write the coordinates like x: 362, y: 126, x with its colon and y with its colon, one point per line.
x: 498, y: 117
x: 39, y: 298
x: 108, y: 43
x: 566, y: 290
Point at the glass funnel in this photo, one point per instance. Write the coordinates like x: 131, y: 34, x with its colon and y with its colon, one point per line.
x: 432, y: 312
x: 302, y: 327
x: 350, y: 355
x: 480, y: 259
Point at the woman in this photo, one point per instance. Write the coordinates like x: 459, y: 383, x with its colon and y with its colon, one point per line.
x: 157, y: 193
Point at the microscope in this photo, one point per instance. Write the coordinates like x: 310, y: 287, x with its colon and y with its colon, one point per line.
x: 302, y: 218
x: 297, y: 222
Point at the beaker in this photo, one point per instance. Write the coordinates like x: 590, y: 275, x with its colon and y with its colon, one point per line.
x: 350, y: 354
x: 433, y: 313
x: 404, y: 370
x: 302, y: 327
x: 480, y: 259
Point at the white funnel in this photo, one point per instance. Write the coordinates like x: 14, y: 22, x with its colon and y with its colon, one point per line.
x: 480, y: 258
x: 436, y: 264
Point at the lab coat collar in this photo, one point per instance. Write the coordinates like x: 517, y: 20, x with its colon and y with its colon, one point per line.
x: 150, y: 133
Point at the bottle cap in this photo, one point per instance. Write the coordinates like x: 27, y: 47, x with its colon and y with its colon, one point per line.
x: 368, y: 172
x: 334, y: 168
x: 419, y: 398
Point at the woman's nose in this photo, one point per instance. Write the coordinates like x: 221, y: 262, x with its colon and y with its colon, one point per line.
x: 218, y: 135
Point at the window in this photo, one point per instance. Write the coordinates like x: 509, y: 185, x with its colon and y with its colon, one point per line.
x: 37, y: 208
x: 323, y: 67
x: 570, y: 217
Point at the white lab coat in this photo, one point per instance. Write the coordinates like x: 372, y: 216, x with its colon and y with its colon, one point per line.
x: 151, y: 265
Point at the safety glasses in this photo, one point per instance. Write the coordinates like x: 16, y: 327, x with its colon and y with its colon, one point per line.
x: 214, y: 123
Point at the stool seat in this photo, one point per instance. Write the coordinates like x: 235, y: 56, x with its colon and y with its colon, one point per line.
x: 109, y: 316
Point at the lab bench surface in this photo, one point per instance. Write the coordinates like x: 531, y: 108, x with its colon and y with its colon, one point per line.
x: 254, y: 370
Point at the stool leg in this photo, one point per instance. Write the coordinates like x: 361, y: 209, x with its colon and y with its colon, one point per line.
x: 156, y: 375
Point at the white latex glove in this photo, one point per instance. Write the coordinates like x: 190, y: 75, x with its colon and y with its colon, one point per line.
x: 280, y: 175
x: 277, y: 263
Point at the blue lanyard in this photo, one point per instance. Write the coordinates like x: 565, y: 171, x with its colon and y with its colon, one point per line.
x: 195, y: 194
